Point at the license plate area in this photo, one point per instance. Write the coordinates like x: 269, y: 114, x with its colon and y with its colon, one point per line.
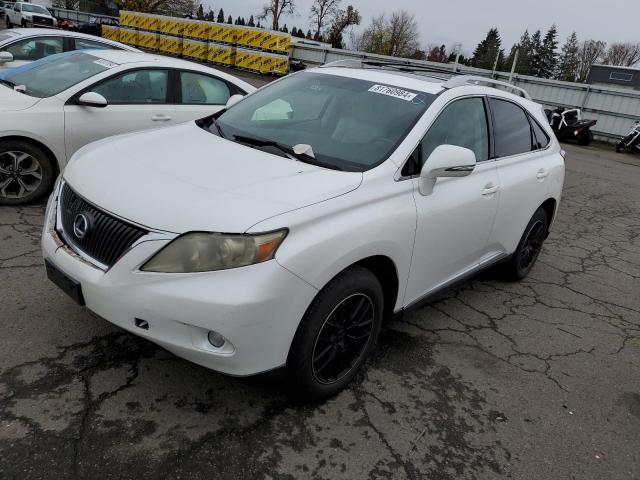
x: 65, y: 283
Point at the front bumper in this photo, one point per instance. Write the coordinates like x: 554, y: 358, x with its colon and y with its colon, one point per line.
x: 256, y: 308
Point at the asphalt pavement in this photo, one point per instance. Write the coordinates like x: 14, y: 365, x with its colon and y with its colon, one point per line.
x: 531, y: 380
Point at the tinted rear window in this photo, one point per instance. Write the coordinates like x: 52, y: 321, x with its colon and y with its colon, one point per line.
x: 511, y: 128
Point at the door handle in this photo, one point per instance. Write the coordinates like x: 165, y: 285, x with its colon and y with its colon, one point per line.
x: 542, y: 174
x: 160, y: 118
x: 490, y: 190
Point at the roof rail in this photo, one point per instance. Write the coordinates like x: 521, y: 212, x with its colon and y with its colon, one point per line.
x: 477, y: 80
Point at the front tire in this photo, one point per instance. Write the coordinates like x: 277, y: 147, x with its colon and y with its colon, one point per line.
x: 26, y: 173
x: 8, y: 23
x: 526, y: 255
x: 336, y: 335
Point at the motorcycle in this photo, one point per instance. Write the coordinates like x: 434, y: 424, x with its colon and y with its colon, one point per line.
x: 567, y: 123
x: 630, y: 143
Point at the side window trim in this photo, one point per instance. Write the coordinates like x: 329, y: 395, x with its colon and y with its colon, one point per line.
x: 168, y: 97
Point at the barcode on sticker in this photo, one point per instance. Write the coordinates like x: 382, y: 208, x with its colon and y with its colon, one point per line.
x: 394, y: 92
x: 105, y: 63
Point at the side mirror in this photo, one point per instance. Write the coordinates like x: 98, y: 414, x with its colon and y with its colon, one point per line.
x: 5, y: 57
x: 92, y: 99
x: 233, y: 99
x: 446, y: 161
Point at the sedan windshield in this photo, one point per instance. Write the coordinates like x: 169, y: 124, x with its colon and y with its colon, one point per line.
x: 350, y: 124
x: 54, y: 74
x: 34, y: 9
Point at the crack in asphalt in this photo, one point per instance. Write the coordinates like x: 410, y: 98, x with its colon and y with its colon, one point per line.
x: 476, y: 384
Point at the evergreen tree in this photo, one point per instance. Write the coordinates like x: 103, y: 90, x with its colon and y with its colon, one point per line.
x: 294, y: 32
x: 259, y: 25
x: 284, y: 29
x: 535, y: 58
x: 200, y: 12
x: 252, y: 22
x: 487, y: 50
x: 210, y: 16
x: 309, y: 35
x: 230, y: 20
x: 548, y: 55
x: 569, y: 59
x: 221, y: 16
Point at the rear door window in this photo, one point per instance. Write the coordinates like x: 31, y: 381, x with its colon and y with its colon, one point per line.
x: 512, y: 129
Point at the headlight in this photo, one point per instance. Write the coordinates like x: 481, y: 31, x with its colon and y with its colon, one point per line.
x: 207, y: 252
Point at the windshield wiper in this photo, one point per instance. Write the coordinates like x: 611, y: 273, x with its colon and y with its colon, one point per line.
x: 7, y: 83
x: 287, y: 150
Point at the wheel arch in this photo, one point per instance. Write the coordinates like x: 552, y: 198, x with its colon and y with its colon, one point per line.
x: 54, y: 161
x: 386, y: 271
x: 549, y: 207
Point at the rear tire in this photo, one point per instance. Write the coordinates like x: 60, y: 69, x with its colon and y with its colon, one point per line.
x: 585, y: 138
x: 26, y: 172
x: 336, y: 335
x: 526, y: 255
x: 620, y: 147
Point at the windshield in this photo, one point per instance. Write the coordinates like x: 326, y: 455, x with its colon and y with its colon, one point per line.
x: 54, y: 74
x: 34, y: 9
x: 351, y: 124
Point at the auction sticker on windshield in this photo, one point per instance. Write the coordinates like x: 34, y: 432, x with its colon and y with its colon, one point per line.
x: 394, y: 92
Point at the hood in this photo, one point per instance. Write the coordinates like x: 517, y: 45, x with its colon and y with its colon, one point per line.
x: 12, y: 101
x: 182, y: 178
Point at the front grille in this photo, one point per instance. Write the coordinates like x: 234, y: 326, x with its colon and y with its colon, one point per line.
x: 94, y: 232
x: 42, y: 20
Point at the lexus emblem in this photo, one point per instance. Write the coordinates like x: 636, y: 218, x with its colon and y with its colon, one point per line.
x: 81, y: 225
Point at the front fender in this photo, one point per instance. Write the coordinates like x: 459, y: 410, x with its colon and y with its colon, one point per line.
x: 377, y: 219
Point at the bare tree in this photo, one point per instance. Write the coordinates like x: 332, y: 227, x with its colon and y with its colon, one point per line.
x: 321, y: 11
x: 437, y: 54
x: 622, y: 54
x: 591, y: 52
x: 397, y: 36
x: 274, y: 10
x: 342, y: 20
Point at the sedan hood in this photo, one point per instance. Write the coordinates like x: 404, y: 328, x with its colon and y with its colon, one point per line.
x: 12, y: 101
x: 183, y: 178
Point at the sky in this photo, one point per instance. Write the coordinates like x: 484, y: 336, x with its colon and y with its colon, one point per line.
x: 467, y: 21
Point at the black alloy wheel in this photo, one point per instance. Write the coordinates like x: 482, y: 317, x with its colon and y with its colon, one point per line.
x: 343, y: 338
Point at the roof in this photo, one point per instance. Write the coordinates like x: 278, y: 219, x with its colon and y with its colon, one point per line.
x: 600, y: 65
x: 422, y: 79
x: 50, y: 32
x: 399, y: 79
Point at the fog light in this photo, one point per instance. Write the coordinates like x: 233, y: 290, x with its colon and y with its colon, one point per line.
x: 216, y: 339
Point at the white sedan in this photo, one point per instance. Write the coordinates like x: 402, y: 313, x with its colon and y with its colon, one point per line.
x: 54, y: 106
x: 25, y: 45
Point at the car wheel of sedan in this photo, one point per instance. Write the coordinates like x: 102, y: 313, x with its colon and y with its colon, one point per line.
x: 524, y: 258
x: 336, y: 335
x: 26, y: 173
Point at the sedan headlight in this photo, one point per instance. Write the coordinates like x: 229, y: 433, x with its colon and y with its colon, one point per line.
x: 207, y: 252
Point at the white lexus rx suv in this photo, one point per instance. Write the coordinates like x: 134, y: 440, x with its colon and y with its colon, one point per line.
x: 283, y: 231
